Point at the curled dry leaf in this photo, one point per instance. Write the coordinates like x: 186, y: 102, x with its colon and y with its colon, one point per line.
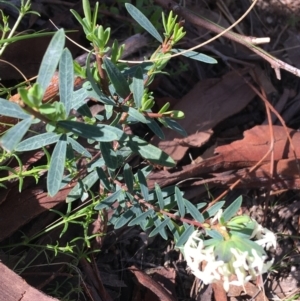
x: 240, y: 154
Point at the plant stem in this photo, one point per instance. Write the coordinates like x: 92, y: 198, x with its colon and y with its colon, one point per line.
x: 18, y: 21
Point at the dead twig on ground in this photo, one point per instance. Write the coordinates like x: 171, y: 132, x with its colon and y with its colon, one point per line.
x: 249, y: 42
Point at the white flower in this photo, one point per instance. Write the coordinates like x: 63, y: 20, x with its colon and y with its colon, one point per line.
x: 195, y: 255
x: 267, y: 240
x: 257, y: 230
x: 257, y: 262
x: 245, y: 265
x: 264, y: 237
x: 241, y: 258
x: 216, y: 217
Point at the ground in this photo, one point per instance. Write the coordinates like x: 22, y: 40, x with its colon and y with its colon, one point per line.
x: 228, y: 133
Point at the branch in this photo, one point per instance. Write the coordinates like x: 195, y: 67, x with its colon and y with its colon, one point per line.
x: 249, y: 42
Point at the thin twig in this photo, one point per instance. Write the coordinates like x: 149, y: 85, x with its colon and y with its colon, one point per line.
x: 249, y: 42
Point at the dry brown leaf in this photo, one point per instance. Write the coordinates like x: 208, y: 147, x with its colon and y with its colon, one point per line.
x: 145, y: 280
x: 240, y: 154
x: 208, y: 103
x: 13, y: 288
x: 164, y: 277
x: 195, y: 140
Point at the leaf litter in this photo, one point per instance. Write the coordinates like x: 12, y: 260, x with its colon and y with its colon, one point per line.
x: 208, y: 103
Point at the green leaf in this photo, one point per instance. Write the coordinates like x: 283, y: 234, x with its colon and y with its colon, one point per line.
x: 185, y: 236
x: 160, y: 197
x: 197, y: 56
x: 141, y: 218
x: 106, y: 203
x: 15, y: 134
x: 94, y: 92
x: 138, y: 87
x: 193, y: 211
x: 180, y: 201
x: 100, y: 133
x: 51, y: 58
x: 232, y: 209
x: 140, y: 18
x: 117, y: 79
x: 212, y: 211
x: 66, y: 79
x: 85, y: 111
x: 161, y: 229
x: 87, y: 10
x: 240, y: 220
x: 222, y: 250
x: 79, y: 148
x: 124, y: 219
x: 103, y: 178
x: 143, y: 185
x: 38, y: 141
x: 26, y: 36
x: 150, y: 152
x: 57, y: 165
x: 174, y: 229
x: 128, y: 177
x: 154, y: 127
x: 214, y: 234
x: 11, y: 109
x: 246, y: 245
x: 109, y: 155
x: 78, y: 98
x: 82, y: 186
x: 173, y: 125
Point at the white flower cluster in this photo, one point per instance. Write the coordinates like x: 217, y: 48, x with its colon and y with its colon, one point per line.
x: 245, y: 266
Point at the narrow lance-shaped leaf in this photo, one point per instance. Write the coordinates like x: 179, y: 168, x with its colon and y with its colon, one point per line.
x: 138, y: 87
x: 141, y: 218
x: 38, y: 141
x: 160, y: 229
x: 57, y: 165
x: 211, y: 211
x: 143, y: 21
x: 84, y: 110
x: 82, y: 185
x: 128, y: 177
x: 185, y: 236
x: 154, y: 127
x: 180, y: 201
x: 197, y: 56
x: 66, y: 79
x: 11, y: 109
x: 193, y: 211
x: 15, y: 134
x: 109, y: 155
x: 232, y: 209
x: 173, y: 229
x: 117, y: 79
x: 51, y: 58
x: 78, y: 98
x: 124, y: 219
x: 79, y: 148
x: 173, y: 125
x: 149, y: 152
x: 109, y: 200
x: 143, y: 185
x: 159, y: 195
x: 98, y: 133
x: 103, y: 178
